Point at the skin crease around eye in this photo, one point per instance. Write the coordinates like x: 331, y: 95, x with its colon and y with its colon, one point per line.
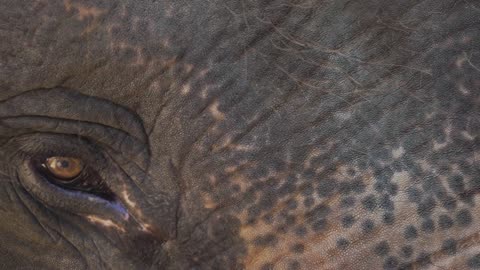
x: 64, y: 168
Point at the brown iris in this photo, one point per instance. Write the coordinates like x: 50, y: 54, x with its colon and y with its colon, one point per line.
x: 64, y: 168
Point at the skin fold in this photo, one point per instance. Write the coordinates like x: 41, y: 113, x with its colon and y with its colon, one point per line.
x: 241, y: 134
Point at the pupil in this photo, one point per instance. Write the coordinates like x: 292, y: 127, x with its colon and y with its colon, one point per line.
x: 64, y: 164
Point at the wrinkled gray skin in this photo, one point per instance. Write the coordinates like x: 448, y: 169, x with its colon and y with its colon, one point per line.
x: 241, y: 134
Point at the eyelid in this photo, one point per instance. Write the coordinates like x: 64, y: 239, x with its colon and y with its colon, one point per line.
x: 114, y: 139
x: 72, y: 105
x: 30, y: 150
x: 60, y: 198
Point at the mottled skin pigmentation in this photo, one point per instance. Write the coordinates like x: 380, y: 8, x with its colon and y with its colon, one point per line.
x: 243, y: 134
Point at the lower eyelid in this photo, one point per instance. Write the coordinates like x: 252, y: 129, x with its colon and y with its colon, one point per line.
x: 57, y: 197
x: 27, y: 152
x: 88, y: 181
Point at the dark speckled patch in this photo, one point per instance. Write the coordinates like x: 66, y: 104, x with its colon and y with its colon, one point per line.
x: 382, y: 248
x: 388, y: 218
x: 266, y: 240
x: 445, y: 222
x: 342, y: 243
x: 474, y: 261
x: 368, y: 226
x: 348, y: 221
x: 410, y: 232
x: 370, y: 203
x: 449, y: 246
x: 407, y: 251
x: 390, y: 263
x: 428, y: 226
x: 464, y: 218
x: 294, y: 265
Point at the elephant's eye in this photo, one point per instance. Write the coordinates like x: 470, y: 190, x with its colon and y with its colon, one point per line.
x: 73, y: 174
x: 64, y: 168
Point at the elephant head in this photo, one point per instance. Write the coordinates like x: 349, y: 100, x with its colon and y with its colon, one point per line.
x: 240, y: 134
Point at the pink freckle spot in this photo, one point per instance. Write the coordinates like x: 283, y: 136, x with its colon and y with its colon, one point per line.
x: 459, y: 62
x: 127, y: 199
x: 146, y: 228
x: 188, y: 68
x: 463, y: 90
x: 107, y: 223
x: 186, y: 89
x: 466, y: 39
x: 215, y: 112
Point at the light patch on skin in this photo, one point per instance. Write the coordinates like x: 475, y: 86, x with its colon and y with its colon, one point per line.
x: 240, y: 181
x: 222, y: 144
x: 438, y: 146
x: 208, y: 202
x: 242, y: 147
x: 137, y: 215
x: 425, y: 165
x: 147, y: 228
x: 468, y: 136
x: 342, y: 171
x: 463, y: 89
x: 400, y: 177
x: 139, y: 59
x: 155, y: 85
x: 203, y: 73
x: 315, y: 153
x: 107, y: 223
x: 204, y: 91
x: 343, y: 115
x: 312, y: 155
x: 398, y: 152
x: 128, y: 201
x: 169, y: 63
x: 116, y: 46
x: 460, y: 61
x: 165, y: 43
x: 186, y: 89
x: 84, y: 12
x: 188, y: 68
x: 169, y: 11
x: 236, y: 167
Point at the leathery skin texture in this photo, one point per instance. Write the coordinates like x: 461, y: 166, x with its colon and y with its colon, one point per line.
x: 279, y: 134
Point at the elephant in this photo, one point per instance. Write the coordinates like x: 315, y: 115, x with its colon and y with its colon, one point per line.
x: 277, y: 134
